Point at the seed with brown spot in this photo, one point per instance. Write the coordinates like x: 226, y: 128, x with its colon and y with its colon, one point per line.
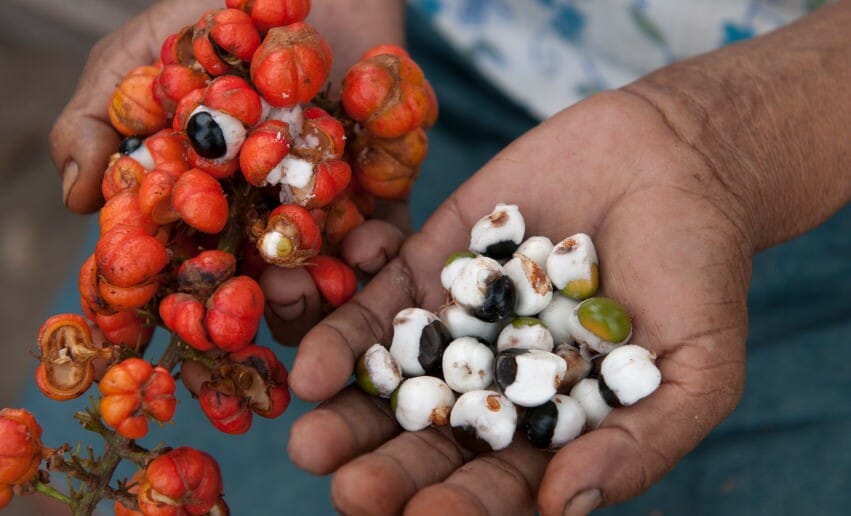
x: 440, y: 415
x: 498, y: 219
x: 493, y: 403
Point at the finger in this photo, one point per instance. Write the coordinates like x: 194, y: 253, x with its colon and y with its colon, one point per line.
x: 637, y: 445
x: 369, y: 246
x: 342, y: 428
x: 498, y: 483
x: 327, y: 354
x: 293, y: 303
x: 82, y: 138
x: 382, y: 482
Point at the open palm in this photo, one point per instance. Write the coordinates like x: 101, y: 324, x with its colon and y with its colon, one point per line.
x: 671, y: 251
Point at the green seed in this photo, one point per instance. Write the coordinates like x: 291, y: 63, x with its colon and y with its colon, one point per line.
x: 460, y: 254
x: 605, y: 318
x: 519, y: 322
x: 363, y: 379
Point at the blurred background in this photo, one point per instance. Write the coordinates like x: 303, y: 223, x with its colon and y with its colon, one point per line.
x: 43, y: 45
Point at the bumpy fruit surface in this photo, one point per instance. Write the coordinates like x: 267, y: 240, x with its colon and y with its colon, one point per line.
x: 182, y: 481
x: 387, y: 93
x: 132, y: 108
x: 291, y: 65
x: 21, y: 450
x: 133, y: 390
x: 388, y: 167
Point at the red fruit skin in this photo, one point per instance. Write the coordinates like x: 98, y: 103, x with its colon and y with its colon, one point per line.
x: 264, y: 147
x: 177, y: 48
x: 228, y: 413
x: 127, y: 298
x: 335, y: 280
x: 233, y: 95
x: 184, y: 315
x: 388, y: 167
x: 125, y: 328
x: 274, y: 375
x: 87, y: 284
x: 230, y: 30
x: 202, y: 274
x: 127, y: 256
x: 234, y: 312
x: 174, y: 82
x: 21, y: 450
x: 121, y: 401
x: 324, y: 129
x: 124, y: 208
x: 124, y: 174
x: 342, y: 216
x: 387, y: 94
x: 155, y: 192
x: 166, y: 146
x: 132, y: 108
x: 299, y: 227
x: 332, y: 177
x: 291, y: 65
x: 183, y: 481
x: 267, y: 14
x: 200, y: 201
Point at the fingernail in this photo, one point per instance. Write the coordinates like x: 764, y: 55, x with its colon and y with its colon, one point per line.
x: 583, y: 503
x: 290, y: 311
x: 69, y: 176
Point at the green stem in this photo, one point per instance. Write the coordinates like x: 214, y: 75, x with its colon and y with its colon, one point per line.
x: 47, y: 490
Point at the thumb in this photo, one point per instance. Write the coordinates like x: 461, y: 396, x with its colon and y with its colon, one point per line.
x: 82, y: 138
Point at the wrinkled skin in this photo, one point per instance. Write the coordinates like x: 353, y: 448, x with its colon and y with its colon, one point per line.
x: 675, y: 226
x: 82, y: 139
x: 669, y: 252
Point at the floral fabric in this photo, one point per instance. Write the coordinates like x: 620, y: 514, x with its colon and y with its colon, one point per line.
x: 547, y: 54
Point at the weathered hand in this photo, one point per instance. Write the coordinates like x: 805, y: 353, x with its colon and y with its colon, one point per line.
x: 669, y: 250
x: 82, y: 138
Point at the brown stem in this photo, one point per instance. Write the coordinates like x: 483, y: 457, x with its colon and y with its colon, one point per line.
x: 102, y: 474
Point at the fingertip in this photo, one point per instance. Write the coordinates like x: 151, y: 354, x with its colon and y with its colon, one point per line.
x: 368, y: 485
x: 318, y: 440
x: 80, y: 147
x: 293, y: 304
x: 323, y: 365
x: 369, y: 246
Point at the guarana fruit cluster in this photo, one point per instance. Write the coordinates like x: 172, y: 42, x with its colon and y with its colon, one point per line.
x: 235, y: 158
x: 522, y: 346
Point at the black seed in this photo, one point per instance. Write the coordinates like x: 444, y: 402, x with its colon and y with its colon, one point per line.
x: 506, y: 367
x: 433, y: 341
x: 501, y: 250
x: 467, y: 437
x: 596, y: 363
x: 499, y: 301
x: 540, y: 424
x: 206, y: 136
x: 130, y: 144
x: 608, y: 395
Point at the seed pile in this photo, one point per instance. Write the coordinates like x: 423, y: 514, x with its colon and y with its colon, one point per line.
x: 523, y: 344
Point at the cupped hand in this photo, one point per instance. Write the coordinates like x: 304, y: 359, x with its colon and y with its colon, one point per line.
x: 82, y: 138
x: 673, y: 250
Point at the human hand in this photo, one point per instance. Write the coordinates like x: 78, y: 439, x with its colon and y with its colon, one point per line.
x: 82, y: 138
x: 674, y: 251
